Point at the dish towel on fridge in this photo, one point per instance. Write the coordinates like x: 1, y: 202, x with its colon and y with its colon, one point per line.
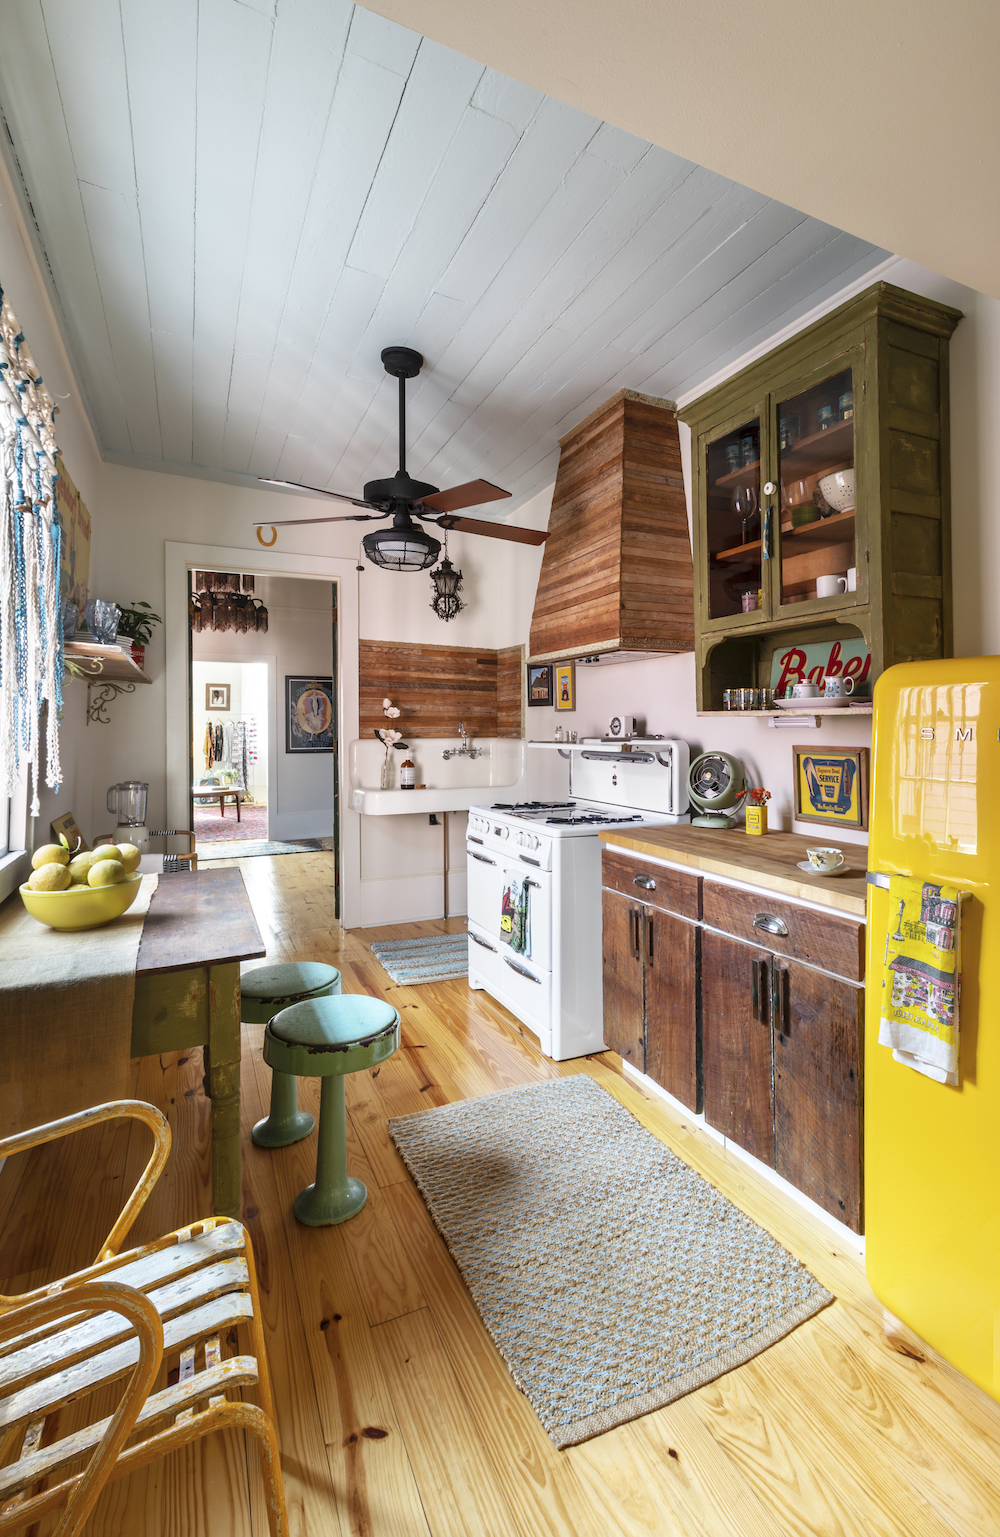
x: 921, y: 977
x: 514, y: 915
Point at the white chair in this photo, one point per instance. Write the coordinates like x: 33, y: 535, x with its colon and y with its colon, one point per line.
x: 176, y: 1299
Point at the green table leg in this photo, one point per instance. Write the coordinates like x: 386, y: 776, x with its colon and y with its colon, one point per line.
x: 224, y: 1086
x: 335, y: 1196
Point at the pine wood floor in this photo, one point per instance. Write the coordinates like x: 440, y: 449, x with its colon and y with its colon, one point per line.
x: 397, y: 1417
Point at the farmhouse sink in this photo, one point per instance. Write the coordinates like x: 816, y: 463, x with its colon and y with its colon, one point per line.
x: 453, y: 784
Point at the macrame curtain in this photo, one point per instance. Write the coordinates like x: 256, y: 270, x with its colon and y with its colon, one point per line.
x: 31, y: 648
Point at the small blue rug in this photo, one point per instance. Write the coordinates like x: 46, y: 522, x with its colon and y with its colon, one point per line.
x: 432, y: 958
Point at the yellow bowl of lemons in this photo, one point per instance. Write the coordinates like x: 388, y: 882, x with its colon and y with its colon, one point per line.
x: 84, y: 892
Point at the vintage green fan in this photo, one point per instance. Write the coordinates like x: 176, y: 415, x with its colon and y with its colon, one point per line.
x: 717, y: 784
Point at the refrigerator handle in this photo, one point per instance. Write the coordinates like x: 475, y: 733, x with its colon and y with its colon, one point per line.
x: 876, y: 878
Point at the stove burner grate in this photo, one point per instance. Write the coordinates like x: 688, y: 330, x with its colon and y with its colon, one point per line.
x: 533, y: 806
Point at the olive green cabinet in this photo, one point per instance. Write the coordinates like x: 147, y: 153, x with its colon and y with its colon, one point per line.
x: 822, y: 495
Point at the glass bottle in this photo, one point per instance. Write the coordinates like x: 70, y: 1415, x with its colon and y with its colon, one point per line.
x: 407, y: 774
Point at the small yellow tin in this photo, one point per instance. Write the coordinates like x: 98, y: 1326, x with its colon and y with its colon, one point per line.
x: 757, y: 820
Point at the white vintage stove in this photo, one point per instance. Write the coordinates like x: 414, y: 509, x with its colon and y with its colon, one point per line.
x: 555, y: 987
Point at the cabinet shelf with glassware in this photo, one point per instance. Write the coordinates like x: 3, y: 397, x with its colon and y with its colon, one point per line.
x: 822, y: 496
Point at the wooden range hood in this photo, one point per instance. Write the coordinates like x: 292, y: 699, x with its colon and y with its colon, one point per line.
x: 616, y: 578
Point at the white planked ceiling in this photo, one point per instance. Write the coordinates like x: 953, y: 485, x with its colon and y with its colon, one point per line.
x: 241, y: 202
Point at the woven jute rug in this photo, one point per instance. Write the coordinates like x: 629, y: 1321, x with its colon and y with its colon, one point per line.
x: 432, y: 958
x: 613, y: 1278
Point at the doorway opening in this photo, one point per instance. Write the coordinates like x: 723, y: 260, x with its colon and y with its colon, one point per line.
x: 264, y: 715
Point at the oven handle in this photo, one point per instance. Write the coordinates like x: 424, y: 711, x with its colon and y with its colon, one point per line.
x: 619, y: 757
x: 527, y: 881
x: 483, y: 943
x: 522, y: 971
x: 535, y: 862
x: 481, y: 857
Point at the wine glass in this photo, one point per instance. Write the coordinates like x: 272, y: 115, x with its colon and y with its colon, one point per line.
x: 745, y: 506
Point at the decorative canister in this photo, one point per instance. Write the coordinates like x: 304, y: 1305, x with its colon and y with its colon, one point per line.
x: 824, y: 418
x: 757, y: 820
x: 749, y: 447
x: 788, y: 432
x: 734, y: 457
x: 845, y: 405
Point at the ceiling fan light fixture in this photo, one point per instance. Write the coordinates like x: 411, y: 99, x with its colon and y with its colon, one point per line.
x: 401, y: 548
x: 447, y: 583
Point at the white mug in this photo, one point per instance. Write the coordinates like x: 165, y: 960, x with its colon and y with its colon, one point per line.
x: 836, y: 687
x: 825, y: 858
x: 852, y: 579
x: 830, y: 586
x: 805, y: 691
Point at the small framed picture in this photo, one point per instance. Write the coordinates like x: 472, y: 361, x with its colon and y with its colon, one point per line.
x: 831, y: 786
x: 540, y: 685
x: 310, y: 716
x: 565, y: 686
x: 217, y: 696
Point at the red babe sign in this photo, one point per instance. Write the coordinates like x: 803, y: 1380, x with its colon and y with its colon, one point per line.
x: 819, y: 660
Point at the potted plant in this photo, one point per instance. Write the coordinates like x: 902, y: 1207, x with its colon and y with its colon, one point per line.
x: 136, y: 622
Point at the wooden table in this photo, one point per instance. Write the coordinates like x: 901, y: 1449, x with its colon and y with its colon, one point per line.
x: 200, y: 925
x: 219, y: 793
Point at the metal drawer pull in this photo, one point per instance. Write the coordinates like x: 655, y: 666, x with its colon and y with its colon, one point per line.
x: 528, y: 861
x: 633, y: 933
x: 527, y: 881
x: 483, y: 943
x: 649, y: 941
x: 473, y: 839
x: 758, y: 983
x: 770, y: 923
x: 482, y: 858
x: 645, y: 881
x: 522, y: 972
x: 781, y: 1001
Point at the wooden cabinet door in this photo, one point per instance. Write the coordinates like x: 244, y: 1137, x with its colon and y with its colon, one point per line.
x: 818, y: 1025
x: 736, y: 1043
x: 672, y: 952
x: 624, y: 1029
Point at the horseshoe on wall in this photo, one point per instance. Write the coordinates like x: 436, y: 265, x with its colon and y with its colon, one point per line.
x: 267, y: 543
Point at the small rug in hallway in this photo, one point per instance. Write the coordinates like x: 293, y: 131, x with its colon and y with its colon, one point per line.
x: 248, y: 850
x: 209, y: 827
x: 433, y: 958
x: 612, y: 1277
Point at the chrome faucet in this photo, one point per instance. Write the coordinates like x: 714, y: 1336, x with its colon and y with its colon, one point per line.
x: 465, y: 751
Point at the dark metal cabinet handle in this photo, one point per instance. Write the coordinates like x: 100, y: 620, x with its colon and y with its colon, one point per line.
x: 633, y: 933
x: 649, y: 940
x: 758, y: 990
x: 645, y: 881
x: 482, y: 858
x: 782, y: 1009
x: 522, y: 971
x: 770, y: 924
x: 483, y: 943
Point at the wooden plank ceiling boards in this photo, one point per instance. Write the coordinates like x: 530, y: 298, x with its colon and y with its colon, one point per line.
x: 616, y: 574
x: 435, y: 687
x: 359, y: 186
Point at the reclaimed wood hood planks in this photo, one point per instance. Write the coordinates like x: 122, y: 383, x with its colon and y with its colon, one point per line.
x: 616, y: 572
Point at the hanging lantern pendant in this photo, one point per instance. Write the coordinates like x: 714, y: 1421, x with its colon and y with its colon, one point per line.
x: 447, y: 584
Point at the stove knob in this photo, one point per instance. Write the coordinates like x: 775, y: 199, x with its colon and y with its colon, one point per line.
x: 504, y: 833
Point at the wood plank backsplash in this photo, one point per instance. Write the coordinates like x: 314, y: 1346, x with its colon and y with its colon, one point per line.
x: 435, y: 687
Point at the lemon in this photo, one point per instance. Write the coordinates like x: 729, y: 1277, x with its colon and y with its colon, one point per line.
x: 53, y: 876
x: 106, y: 872
x: 49, y: 854
x: 79, y: 867
x: 129, y: 856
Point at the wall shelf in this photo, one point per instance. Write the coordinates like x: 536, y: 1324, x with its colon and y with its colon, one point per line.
x: 108, y: 663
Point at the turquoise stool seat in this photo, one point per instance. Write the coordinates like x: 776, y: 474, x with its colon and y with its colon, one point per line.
x: 328, y: 1038
x: 265, y: 991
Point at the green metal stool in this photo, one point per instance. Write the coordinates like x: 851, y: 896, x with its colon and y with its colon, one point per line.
x: 265, y: 992
x: 328, y: 1038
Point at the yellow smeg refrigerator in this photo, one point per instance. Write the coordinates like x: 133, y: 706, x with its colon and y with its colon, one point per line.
x: 932, y: 1150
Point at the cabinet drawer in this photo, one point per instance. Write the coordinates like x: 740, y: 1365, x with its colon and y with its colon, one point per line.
x: 820, y: 938
x: 674, y: 890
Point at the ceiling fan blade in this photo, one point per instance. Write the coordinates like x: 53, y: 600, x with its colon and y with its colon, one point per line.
x: 347, y: 517
x: 493, y: 530
x: 471, y: 494
x: 294, y: 485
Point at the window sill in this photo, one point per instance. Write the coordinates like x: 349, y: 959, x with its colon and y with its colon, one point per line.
x: 14, y: 868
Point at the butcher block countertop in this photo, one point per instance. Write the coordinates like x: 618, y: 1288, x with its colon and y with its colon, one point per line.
x: 768, y: 862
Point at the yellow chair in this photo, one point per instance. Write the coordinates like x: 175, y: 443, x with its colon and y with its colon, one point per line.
x: 175, y: 1299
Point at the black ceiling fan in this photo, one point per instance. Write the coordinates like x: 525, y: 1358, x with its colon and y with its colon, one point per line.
x: 405, y: 546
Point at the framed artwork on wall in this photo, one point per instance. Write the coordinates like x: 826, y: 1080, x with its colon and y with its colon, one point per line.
x: 540, y: 685
x: 217, y: 696
x: 831, y: 786
x: 565, y: 686
x: 310, y: 716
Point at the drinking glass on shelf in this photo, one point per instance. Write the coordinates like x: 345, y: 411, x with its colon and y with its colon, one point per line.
x: 745, y: 506
x: 102, y: 620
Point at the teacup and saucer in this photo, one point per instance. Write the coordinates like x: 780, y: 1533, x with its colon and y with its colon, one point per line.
x: 823, y: 860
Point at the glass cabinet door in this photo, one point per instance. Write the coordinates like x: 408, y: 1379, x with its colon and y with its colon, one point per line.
x: 733, y: 523
x: 816, y: 485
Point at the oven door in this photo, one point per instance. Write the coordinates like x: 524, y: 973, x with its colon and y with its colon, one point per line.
x: 485, y: 888
x: 539, y: 888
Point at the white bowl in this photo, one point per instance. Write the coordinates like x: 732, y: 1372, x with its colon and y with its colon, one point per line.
x: 838, y: 489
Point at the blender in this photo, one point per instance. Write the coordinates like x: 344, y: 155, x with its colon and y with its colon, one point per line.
x: 127, y: 802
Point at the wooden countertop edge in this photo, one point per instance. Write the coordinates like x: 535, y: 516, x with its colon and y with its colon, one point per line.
x: 825, y: 895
